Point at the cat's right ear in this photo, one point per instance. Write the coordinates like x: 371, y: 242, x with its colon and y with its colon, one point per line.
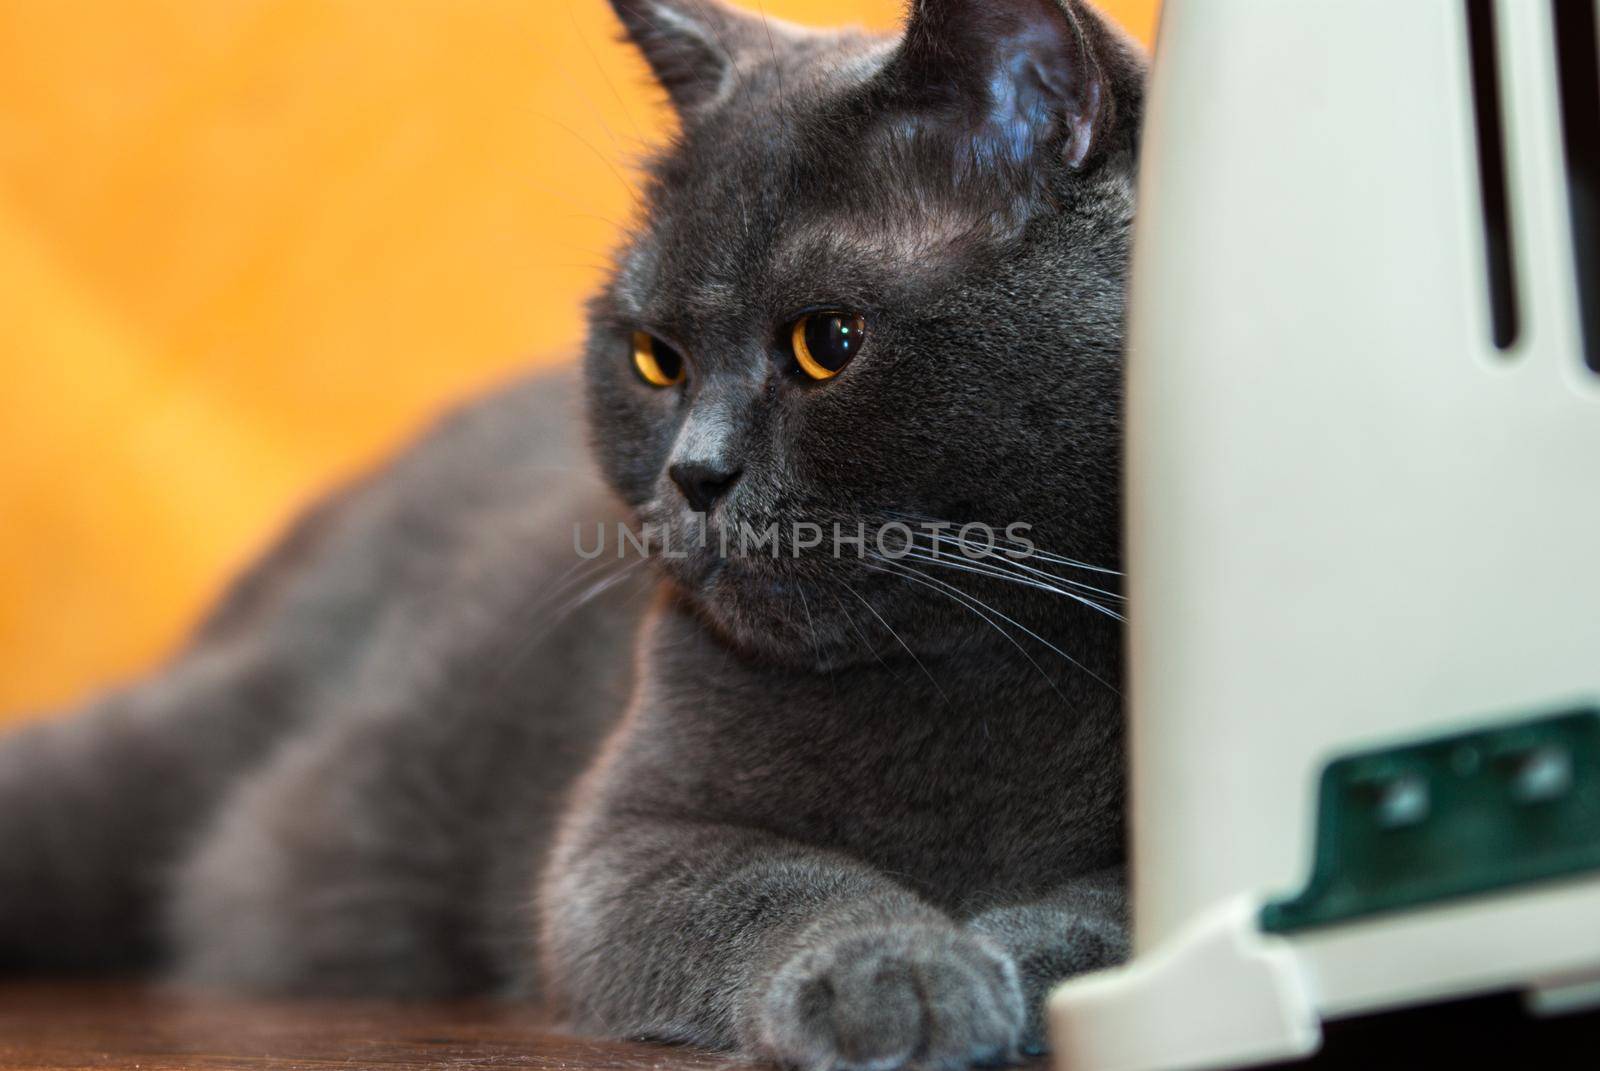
x: 1021, y: 75
x: 691, y: 45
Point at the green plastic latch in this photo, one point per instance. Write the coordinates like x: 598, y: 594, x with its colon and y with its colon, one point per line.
x: 1451, y: 816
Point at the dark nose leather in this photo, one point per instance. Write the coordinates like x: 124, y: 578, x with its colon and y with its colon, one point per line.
x: 702, y: 485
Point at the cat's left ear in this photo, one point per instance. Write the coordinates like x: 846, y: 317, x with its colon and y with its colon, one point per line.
x: 1025, y: 74
x: 691, y: 45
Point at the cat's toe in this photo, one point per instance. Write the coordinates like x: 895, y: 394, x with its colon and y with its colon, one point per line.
x: 922, y: 996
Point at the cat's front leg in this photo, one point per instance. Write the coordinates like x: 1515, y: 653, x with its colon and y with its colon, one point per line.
x: 737, y: 938
x: 1082, y: 926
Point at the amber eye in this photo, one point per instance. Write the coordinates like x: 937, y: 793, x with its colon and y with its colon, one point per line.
x: 824, y: 342
x: 657, y: 363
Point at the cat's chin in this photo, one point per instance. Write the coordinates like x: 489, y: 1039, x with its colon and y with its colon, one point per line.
x: 769, y: 615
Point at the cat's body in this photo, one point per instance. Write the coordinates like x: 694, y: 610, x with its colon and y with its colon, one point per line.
x: 359, y: 706
x: 854, y: 810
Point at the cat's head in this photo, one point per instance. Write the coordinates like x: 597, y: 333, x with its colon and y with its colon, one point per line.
x: 877, y: 280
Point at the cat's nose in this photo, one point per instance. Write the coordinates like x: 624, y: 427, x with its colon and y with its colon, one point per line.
x: 702, y: 484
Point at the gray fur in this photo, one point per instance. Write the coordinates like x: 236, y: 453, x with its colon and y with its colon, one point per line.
x: 833, y: 814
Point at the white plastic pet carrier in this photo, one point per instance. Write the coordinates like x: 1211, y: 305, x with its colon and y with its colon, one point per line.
x: 1364, y: 524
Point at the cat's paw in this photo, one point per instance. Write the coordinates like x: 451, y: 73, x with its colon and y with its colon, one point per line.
x: 1049, y: 945
x: 925, y: 996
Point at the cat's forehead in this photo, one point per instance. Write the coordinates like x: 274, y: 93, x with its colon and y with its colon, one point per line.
x: 795, y: 251
x: 784, y: 192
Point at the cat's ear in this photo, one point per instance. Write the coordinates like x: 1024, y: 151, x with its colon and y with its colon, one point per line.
x: 689, y: 44
x: 1026, y: 74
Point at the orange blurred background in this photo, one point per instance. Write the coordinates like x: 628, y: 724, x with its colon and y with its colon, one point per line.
x: 247, y: 246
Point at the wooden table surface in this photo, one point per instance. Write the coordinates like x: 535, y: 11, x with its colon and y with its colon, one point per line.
x: 55, y: 1026
x: 58, y: 1026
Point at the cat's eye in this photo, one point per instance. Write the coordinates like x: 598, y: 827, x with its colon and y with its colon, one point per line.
x: 824, y: 342
x: 657, y: 363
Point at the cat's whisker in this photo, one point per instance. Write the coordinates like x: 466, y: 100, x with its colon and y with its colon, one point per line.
x: 576, y: 575
x: 906, y: 573
x: 1058, y: 559
x: 1026, y: 550
x: 1006, y: 566
x: 529, y: 608
x: 1056, y: 578
x: 1017, y: 624
x: 595, y: 591
x: 587, y: 101
x: 947, y: 562
x: 580, y: 210
x: 611, y: 85
x: 873, y: 611
x: 1019, y: 551
x: 857, y: 628
x: 610, y: 571
x: 777, y: 67
x: 979, y: 553
x: 632, y: 190
x: 805, y: 604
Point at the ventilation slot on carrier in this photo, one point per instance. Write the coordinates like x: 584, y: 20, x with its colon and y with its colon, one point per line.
x: 1492, y: 172
x: 1576, y: 47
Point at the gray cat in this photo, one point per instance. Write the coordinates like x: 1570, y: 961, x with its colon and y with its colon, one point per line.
x: 847, y: 804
